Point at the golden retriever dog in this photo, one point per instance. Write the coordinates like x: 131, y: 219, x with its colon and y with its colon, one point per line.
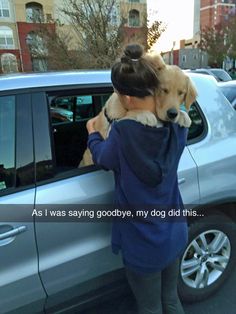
x: 175, y: 88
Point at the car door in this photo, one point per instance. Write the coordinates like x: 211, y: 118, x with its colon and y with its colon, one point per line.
x: 20, y: 286
x: 187, y: 170
x: 74, y: 257
x: 214, y: 154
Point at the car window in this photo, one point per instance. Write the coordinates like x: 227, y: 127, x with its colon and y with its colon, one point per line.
x: 197, y: 127
x: 229, y: 92
x: 69, y: 115
x: 221, y: 74
x: 7, y: 142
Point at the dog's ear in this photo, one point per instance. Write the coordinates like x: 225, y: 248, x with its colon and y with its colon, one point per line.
x: 156, y: 61
x: 191, y: 93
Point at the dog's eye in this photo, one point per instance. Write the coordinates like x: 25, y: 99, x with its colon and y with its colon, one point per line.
x: 180, y: 92
x: 165, y: 90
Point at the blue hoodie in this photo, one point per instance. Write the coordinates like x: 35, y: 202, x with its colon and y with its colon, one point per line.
x: 144, y: 161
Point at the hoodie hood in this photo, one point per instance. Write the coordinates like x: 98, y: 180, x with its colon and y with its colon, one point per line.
x: 149, y: 151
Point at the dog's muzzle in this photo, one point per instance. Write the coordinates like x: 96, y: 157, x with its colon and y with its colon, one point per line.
x: 172, y: 113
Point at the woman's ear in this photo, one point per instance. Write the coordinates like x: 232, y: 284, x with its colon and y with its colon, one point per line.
x: 125, y: 100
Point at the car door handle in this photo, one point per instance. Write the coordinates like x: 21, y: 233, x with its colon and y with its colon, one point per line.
x: 181, y: 181
x: 12, y: 233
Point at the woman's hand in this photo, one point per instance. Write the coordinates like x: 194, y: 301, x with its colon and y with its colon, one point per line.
x: 90, y: 125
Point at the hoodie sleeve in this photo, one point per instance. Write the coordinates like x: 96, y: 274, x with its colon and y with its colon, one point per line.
x: 104, y: 152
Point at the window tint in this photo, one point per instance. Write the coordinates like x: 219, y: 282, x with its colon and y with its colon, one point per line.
x: 7, y: 142
x: 197, y: 127
x: 69, y: 115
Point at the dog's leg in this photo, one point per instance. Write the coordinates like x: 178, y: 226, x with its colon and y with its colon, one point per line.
x: 143, y: 116
x: 184, y: 119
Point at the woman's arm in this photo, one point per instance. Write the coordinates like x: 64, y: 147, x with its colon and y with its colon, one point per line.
x: 104, y: 152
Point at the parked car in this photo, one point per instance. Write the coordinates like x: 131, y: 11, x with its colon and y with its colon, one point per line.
x: 60, y: 115
x: 53, y: 265
x: 219, y: 74
x: 229, y: 90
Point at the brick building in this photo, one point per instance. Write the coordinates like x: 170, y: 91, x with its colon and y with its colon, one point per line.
x: 213, y: 12
x: 20, y: 19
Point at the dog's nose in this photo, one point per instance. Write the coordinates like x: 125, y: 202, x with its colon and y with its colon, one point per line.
x: 172, y: 113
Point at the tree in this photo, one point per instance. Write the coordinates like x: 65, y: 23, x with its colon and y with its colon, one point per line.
x: 219, y: 41
x: 154, y: 32
x: 231, y: 39
x: 57, y: 44
x: 98, y: 29
x: 97, y: 33
x: 213, y: 41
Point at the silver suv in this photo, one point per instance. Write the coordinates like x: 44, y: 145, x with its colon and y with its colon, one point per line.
x: 54, y: 264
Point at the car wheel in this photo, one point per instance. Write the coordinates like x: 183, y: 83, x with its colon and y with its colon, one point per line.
x: 209, y: 257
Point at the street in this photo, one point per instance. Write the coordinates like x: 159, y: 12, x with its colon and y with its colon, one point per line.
x: 222, y: 302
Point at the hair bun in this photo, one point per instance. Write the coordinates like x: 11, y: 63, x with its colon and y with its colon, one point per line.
x: 133, y: 51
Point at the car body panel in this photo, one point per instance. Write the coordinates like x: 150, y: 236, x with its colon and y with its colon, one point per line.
x: 20, y: 283
x: 215, y: 154
x: 71, y: 248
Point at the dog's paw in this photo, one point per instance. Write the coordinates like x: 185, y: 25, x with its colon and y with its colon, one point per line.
x: 184, y: 119
x: 144, y: 117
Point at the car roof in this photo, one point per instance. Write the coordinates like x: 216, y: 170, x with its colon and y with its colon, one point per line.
x: 47, y: 79
x: 21, y: 81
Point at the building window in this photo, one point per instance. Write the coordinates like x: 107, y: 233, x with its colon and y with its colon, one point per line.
x: 113, y: 16
x: 4, y: 8
x: 38, y: 52
x: 9, y: 63
x: 6, y: 38
x: 184, y: 58
x: 34, y: 12
x: 134, y: 18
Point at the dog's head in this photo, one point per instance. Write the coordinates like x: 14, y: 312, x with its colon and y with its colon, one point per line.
x: 175, y: 89
x: 156, y: 62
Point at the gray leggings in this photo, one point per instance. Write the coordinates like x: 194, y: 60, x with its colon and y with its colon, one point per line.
x: 156, y: 293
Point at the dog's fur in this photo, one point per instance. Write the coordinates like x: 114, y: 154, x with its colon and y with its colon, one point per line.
x: 175, y: 88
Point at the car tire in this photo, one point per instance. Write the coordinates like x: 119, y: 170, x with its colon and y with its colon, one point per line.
x: 209, y: 257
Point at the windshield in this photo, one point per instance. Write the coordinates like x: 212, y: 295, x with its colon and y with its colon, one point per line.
x: 221, y: 74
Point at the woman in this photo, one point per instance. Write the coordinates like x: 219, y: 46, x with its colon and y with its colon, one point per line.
x: 144, y: 161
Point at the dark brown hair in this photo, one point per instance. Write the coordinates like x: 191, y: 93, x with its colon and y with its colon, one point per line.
x: 132, y: 75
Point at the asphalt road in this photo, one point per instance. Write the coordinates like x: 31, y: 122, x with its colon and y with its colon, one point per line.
x: 222, y: 302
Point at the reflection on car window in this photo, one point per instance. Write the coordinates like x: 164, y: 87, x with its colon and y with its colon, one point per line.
x: 7, y: 142
x: 71, y: 108
x: 69, y: 115
x: 229, y: 92
x: 197, y: 127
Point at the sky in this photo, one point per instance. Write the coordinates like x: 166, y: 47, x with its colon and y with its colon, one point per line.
x: 177, y: 15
